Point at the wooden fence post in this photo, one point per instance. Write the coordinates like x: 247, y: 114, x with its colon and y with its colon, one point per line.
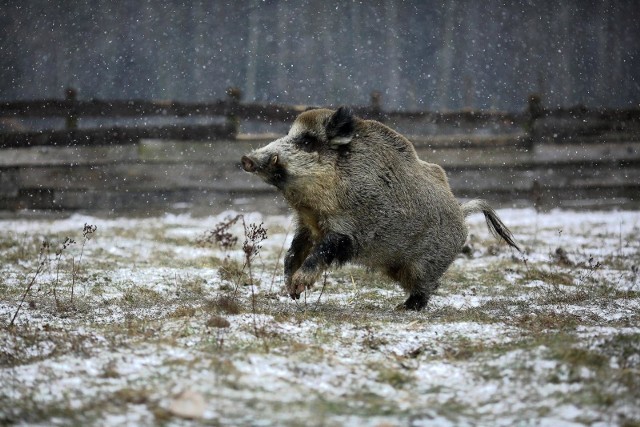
x: 375, y: 104
x: 71, y: 119
x: 234, y: 95
x: 535, y: 110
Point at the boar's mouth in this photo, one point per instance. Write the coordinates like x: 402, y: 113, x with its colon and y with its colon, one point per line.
x: 270, y: 170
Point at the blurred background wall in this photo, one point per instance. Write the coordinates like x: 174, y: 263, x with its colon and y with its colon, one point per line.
x: 421, y: 54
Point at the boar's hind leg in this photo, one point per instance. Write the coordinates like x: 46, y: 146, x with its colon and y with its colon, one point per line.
x: 414, y: 282
x: 332, y: 248
x: 419, y: 296
x: 416, y: 302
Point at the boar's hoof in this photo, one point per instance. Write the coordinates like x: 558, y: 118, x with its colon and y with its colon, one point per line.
x: 295, y: 289
x: 294, y: 295
x: 415, y: 302
x: 299, y: 282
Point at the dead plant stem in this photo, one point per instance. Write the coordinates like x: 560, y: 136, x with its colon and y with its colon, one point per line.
x: 26, y: 291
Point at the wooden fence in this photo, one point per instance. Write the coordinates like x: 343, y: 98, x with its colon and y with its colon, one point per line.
x: 561, y: 157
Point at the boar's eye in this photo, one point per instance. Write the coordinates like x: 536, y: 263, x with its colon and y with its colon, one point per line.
x: 307, y: 142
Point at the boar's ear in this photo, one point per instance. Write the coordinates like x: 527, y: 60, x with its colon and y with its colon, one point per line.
x: 340, y: 126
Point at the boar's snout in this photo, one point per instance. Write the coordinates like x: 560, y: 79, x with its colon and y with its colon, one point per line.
x: 251, y: 164
x: 267, y: 166
x: 248, y: 164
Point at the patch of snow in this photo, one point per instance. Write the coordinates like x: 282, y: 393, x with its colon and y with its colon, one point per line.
x: 297, y: 362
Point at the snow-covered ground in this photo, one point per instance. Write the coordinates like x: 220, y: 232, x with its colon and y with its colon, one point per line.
x: 143, y: 321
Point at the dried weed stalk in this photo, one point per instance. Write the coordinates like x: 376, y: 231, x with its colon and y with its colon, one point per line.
x: 42, y: 258
x: 254, y: 235
x: 67, y: 242
x: 220, y: 235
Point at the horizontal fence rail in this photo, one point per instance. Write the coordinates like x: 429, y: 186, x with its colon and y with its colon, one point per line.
x: 141, y: 108
x: 273, y: 112
x: 535, y: 120
x: 545, y: 157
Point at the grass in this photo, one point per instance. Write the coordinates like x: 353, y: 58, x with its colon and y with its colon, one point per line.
x: 182, y: 311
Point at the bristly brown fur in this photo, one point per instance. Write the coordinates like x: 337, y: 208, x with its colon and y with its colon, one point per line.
x: 361, y: 194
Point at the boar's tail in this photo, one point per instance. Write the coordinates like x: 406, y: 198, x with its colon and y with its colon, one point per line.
x: 496, y: 226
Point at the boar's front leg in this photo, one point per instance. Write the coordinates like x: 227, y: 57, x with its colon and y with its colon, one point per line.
x: 297, y: 253
x: 332, y: 247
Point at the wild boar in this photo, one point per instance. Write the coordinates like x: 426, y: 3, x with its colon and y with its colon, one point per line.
x: 361, y: 194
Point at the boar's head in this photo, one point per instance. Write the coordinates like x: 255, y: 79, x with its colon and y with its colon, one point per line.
x: 307, y: 153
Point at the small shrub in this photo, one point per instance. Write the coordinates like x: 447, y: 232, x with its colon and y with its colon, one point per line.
x: 220, y: 235
x: 183, y: 311
x: 395, y: 377
x: 218, y: 322
x: 224, y: 304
